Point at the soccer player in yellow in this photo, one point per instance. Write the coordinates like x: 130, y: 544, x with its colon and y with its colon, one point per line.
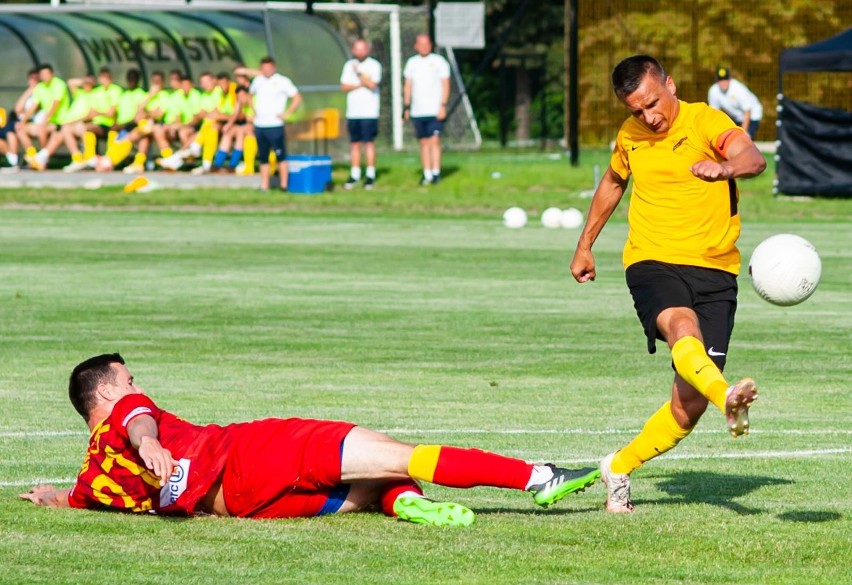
x: 680, y: 258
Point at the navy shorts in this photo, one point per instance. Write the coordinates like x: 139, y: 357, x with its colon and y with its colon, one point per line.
x: 362, y: 129
x: 427, y: 127
x: 9, y: 126
x: 270, y: 140
x: 712, y: 294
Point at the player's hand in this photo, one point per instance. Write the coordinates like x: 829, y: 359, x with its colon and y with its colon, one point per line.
x: 583, y: 265
x: 406, y: 114
x: 442, y: 113
x: 710, y: 171
x: 41, y: 495
x: 157, y: 458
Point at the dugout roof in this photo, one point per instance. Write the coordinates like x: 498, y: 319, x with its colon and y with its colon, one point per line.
x: 77, y: 40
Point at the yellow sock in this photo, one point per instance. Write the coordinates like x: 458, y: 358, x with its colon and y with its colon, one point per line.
x: 77, y: 157
x: 90, y: 145
x: 139, y: 159
x: 111, y: 136
x: 201, y: 137
x: 166, y: 152
x: 695, y: 366
x: 208, y: 147
x: 31, y: 151
x: 250, y: 153
x: 659, y: 434
x: 423, y: 462
x: 119, y: 151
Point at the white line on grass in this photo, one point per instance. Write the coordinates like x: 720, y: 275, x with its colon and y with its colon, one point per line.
x: 807, y: 453
x: 590, y: 432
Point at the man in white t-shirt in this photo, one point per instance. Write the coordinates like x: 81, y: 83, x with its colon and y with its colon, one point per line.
x: 360, y: 80
x: 425, y: 95
x: 271, y: 92
x: 736, y: 100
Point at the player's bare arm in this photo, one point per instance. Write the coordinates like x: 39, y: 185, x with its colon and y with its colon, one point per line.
x: 445, y: 98
x: 144, y: 434
x: 48, y: 496
x: 406, y: 99
x: 294, y: 103
x: 743, y: 160
x: 250, y: 73
x: 606, y: 198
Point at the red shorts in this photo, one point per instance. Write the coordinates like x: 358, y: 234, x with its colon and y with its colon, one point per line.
x: 282, y: 468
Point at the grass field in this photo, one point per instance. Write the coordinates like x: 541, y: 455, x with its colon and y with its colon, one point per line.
x: 432, y: 322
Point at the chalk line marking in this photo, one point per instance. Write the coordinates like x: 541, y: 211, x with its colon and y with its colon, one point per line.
x: 806, y: 453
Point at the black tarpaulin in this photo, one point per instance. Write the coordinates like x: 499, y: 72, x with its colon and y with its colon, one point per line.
x: 832, y: 54
x: 815, y: 150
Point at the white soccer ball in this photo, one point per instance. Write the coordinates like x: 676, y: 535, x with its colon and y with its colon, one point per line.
x: 552, y: 218
x: 515, y: 218
x: 571, y: 218
x: 785, y: 269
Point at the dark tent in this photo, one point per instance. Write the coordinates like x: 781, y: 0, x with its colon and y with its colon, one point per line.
x: 815, y: 143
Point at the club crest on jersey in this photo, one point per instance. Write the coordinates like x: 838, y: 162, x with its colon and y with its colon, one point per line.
x: 176, y: 485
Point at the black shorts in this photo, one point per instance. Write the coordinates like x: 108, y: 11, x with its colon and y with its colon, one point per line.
x: 362, y: 129
x: 712, y: 294
x: 270, y: 139
x: 427, y: 127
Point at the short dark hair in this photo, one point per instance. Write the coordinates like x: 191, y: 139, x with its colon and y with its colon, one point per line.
x: 267, y: 59
x: 105, y: 71
x: 86, y: 377
x: 223, y: 75
x: 47, y: 66
x: 33, y: 71
x: 132, y: 76
x: 628, y: 75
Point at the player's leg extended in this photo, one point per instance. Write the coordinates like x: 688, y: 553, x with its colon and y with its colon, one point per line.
x: 371, y: 455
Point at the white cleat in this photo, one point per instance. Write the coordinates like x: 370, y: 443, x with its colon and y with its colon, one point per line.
x: 737, y: 401
x: 133, y: 169
x: 199, y: 171
x: 617, y: 488
x: 171, y: 163
x: 75, y: 167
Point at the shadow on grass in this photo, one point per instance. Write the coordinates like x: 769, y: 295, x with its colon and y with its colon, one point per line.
x: 717, y: 489
x: 480, y: 511
x: 814, y: 516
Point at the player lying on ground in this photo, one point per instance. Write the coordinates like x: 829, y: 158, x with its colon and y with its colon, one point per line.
x: 142, y: 459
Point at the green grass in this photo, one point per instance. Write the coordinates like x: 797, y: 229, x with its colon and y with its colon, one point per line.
x: 432, y: 321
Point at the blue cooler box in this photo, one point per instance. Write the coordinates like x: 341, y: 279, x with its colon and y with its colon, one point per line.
x: 308, y: 174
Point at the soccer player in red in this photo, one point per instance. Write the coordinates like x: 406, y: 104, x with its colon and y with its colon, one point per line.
x: 144, y: 459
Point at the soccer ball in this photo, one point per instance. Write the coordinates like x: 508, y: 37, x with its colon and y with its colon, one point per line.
x: 552, y: 218
x: 571, y: 218
x: 785, y: 269
x: 515, y: 218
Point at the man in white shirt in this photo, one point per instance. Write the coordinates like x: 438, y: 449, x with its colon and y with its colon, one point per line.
x: 736, y: 100
x: 272, y: 92
x: 425, y: 95
x: 360, y: 80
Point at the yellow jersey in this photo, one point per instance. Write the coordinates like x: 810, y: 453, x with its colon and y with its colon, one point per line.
x: 675, y: 217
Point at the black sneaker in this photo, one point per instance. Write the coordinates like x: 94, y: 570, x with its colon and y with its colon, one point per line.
x: 369, y: 183
x: 436, y: 179
x: 350, y: 184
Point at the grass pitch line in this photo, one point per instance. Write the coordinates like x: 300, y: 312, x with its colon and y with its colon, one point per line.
x: 393, y: 432
x: 806, y: 453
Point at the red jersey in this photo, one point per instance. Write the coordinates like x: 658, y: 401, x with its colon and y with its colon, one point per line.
x: 113, y: 473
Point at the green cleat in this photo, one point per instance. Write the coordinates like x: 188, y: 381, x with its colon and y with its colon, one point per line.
x: 425, y: 511
x: 563, y: 482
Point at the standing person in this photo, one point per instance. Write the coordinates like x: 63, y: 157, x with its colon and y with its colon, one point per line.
x: 425, y: 95
x: 680, y: 258
x: 736, y: 100
x: 360, y: 80
x: 270, y: 468
x: 272, y: 92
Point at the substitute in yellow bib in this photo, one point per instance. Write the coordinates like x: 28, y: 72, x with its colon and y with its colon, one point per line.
x: 681, y: 259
